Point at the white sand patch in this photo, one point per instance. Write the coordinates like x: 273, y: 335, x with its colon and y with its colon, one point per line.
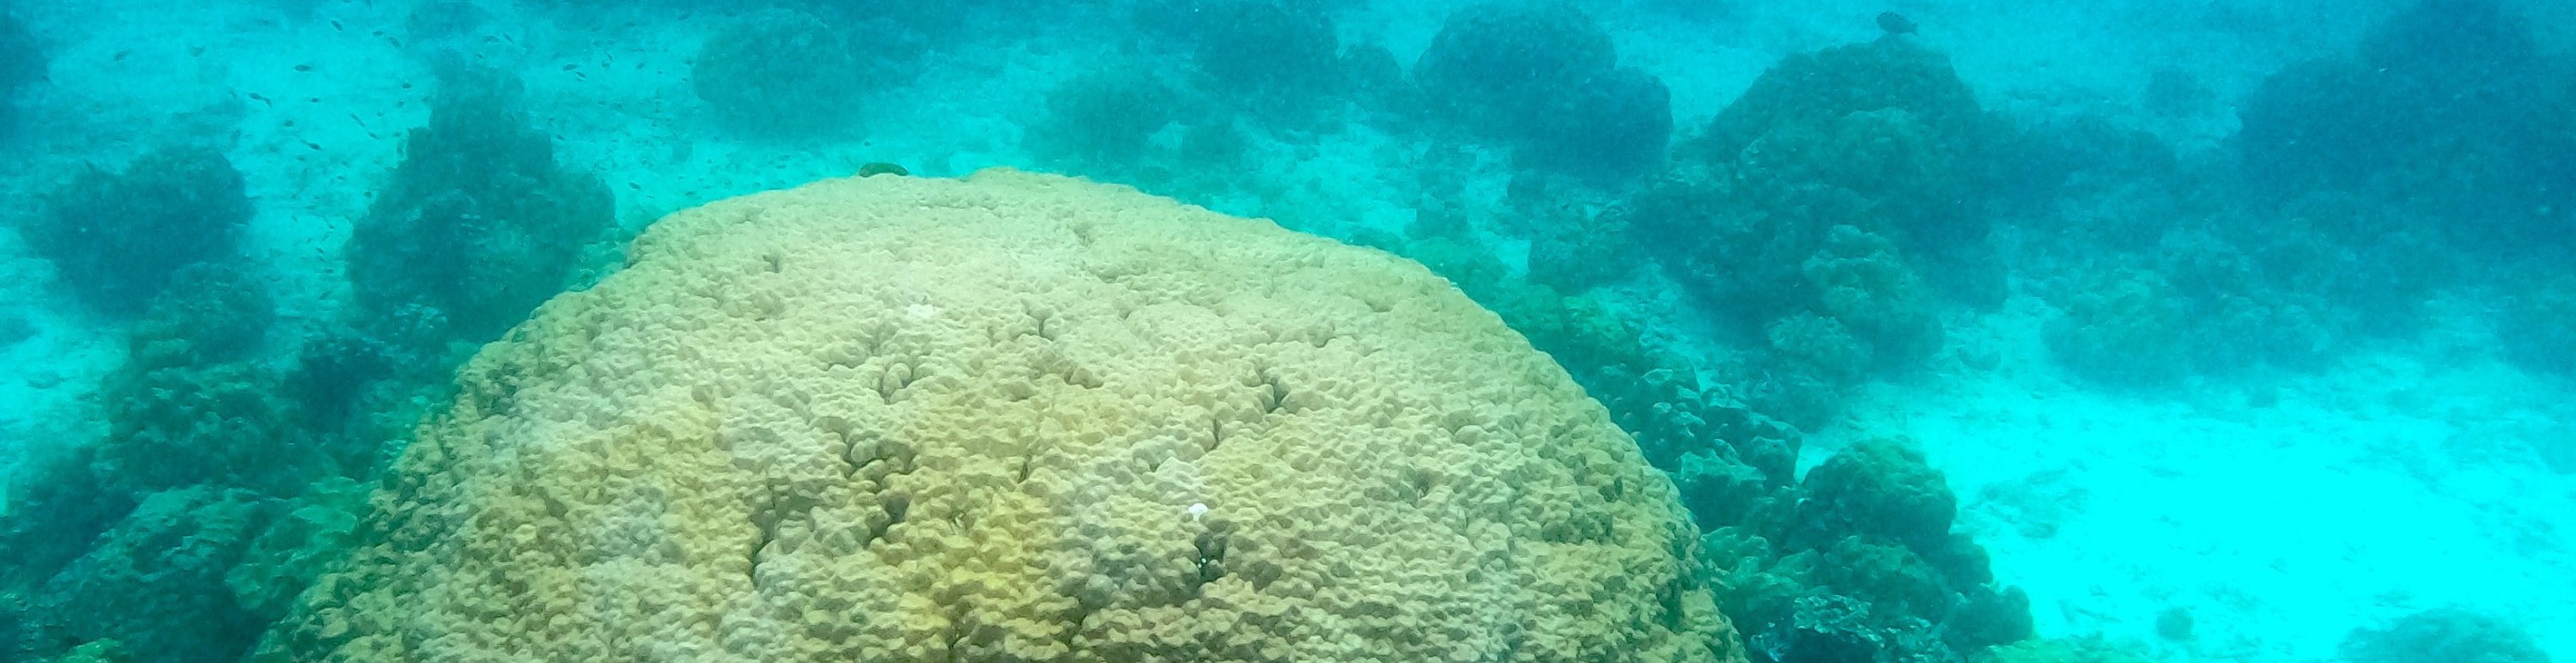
x: 2386, y: 487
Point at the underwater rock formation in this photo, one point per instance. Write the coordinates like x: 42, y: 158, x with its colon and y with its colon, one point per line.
x: 179, y: 535
x: 1269, y: 44
x: 154, y: 585
x: 1496, y: 63
x: 194, y: 402
x: 2444, y: 635
x: 209, y: 313
x: 1102, y: 120
x: 1278, y: 59
x: 2452, y: 127
x: 1013, y: 417
x: 130, y: 542
x: 1886, y: 119
x: 117, y: 239
x: 2451, y: 122
x: 785, y: 73
x: 1686, y: 428
x: 1575, y: 251
x: 22, y: 63
x: 2126, y: 328
x: 2449, y: 107
x: 1857, y: 564
x: 2224, y: 291
x: 176, y: 421
x: 1544, y: 79
x: 478, y: 224
x: 1812, y: 209
x: 1879, y: 489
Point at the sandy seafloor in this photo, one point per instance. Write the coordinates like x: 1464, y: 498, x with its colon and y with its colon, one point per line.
x: 2280, y: 517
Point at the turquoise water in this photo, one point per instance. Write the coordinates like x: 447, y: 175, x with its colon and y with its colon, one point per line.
x: 2226, y: 331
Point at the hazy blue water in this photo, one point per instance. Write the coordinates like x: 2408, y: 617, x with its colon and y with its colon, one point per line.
x: 2256, y: 316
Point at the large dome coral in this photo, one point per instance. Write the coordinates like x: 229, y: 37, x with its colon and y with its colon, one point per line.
x: 1013, y: 418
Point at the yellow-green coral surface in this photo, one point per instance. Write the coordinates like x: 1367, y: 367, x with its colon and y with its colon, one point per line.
x: 1013, y: 417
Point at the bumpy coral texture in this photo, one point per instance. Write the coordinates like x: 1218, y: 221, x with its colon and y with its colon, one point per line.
x: 1014, y: 418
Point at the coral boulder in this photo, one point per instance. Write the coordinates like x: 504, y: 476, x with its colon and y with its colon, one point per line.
x: 1013, y: 417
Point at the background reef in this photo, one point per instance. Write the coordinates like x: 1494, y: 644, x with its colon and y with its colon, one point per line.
x: 2130, y: 331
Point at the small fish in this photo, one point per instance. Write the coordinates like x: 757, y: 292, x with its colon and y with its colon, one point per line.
x: 1895, y: 24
